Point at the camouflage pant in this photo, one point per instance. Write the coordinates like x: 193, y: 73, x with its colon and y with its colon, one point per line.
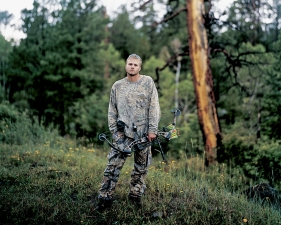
x: 116, y: 161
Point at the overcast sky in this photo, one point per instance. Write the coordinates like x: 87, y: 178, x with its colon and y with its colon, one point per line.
x: 15, y: 7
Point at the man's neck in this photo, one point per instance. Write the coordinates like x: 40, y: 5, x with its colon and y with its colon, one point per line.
x: 134, y: 78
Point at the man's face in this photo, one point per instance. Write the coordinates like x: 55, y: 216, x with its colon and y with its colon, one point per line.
x: 133, y: 67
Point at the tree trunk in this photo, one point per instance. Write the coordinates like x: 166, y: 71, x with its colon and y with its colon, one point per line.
x: 202, y: 78
x: 177, y: 84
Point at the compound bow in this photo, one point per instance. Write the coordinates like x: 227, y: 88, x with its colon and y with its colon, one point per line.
x: 166, y: 134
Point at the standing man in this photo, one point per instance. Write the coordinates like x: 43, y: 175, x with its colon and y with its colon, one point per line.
x: 133, y: 113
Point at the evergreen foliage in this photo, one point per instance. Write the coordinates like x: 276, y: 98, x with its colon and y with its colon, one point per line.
x: 272, y: 98
x: 5, y: 49
x: 58, y: 63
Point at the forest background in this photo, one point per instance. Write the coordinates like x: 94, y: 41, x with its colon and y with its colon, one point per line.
x: 60, y: 75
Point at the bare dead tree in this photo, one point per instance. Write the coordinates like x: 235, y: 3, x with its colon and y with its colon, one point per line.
x: 202, y: 79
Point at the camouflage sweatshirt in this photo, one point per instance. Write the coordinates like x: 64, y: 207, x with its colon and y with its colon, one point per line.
x: 134, y: 103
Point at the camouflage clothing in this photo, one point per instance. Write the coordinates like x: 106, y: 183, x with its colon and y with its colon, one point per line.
x: 116, y: 161
x: 134, y: 103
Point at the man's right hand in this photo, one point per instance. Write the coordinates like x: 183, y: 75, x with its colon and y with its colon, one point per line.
x: 151, y: 137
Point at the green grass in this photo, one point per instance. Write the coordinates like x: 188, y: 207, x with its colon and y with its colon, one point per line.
x: 55, y: 183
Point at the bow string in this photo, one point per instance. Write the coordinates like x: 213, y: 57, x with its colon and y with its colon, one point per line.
x: 167, y: 133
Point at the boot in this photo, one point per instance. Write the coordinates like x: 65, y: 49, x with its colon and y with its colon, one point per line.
x: 103, y: 205
x: 135, y: 201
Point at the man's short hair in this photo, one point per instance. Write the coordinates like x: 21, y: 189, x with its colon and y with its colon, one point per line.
x: 135, y: 56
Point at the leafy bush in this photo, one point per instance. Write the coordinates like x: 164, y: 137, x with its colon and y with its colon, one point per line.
x: 269, y: 161
x: 18, y: 128
x: 259, y: 161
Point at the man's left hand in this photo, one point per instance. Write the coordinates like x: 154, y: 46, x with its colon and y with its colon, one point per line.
x: 151, y: 137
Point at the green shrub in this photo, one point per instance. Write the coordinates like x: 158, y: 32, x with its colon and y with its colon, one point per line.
x: 17, y: 128
x: 269, y: 161
x: 259, y: 161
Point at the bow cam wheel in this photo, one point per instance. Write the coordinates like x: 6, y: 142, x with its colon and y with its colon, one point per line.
x: 102, y: 137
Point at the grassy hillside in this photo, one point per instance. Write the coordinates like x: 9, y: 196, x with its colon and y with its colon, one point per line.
x: 57, y: 182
